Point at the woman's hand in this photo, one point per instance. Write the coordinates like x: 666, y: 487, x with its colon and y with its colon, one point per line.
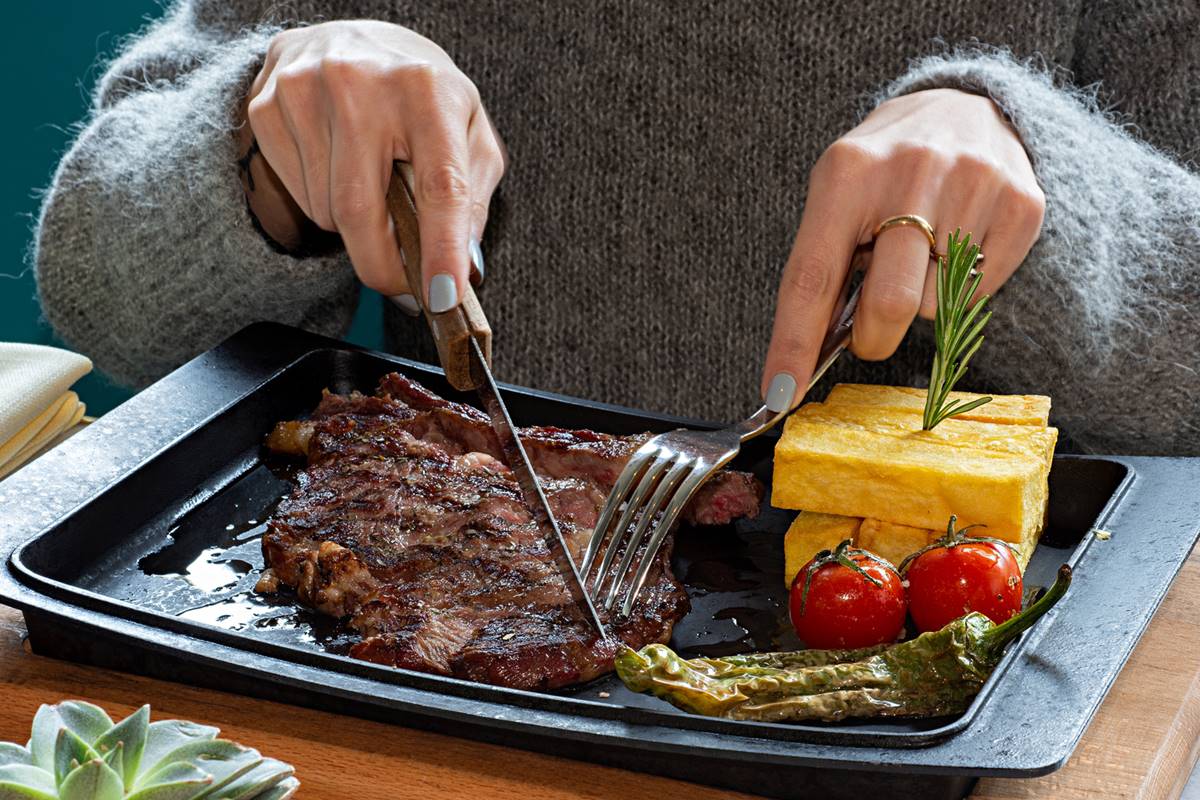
x: 333, y: 106
x: 942, y: 154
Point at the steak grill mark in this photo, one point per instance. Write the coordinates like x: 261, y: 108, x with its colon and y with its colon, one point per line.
x: 407, y: 523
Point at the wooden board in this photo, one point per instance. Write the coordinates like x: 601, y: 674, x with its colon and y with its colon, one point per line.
x: 336, y: 758
x: 1142, y: 744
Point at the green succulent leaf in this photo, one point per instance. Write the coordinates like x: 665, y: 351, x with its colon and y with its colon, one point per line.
x: 12, y: 791
x: 236, y: 771
x: 115, y: 758
x: 177, y: 781
x: 207, y: 757
x: 229, y: 769
x: 94, y: 780
x: 252, y: 784
x: 69, y: 752
x: 14, y: 754
x: 46, y: 725
x: 211, y: 749
x: 75, y: 752
x: 186, y: 790
x: 239, y: 773
x: 89, y: 722
x: 26, y: 781
x: 132, y: 733
x: 280, y: 791
x: 163, y: 738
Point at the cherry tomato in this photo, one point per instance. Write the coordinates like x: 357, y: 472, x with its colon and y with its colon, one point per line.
x: 847, y: 606
x: 959, y: 575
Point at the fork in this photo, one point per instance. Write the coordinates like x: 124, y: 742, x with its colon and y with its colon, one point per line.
x: 665, y: 472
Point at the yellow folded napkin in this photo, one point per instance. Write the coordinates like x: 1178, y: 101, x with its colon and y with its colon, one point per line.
x: 36, y: 404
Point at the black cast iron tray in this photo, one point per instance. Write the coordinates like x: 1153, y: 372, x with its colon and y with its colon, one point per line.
x: 134, y: 546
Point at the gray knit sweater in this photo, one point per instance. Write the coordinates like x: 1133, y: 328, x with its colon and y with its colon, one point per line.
x: 659, y: 163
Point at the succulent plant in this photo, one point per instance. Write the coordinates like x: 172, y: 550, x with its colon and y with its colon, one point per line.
x: 76, y: 752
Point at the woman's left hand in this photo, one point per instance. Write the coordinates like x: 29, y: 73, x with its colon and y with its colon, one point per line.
x: 942, y: 154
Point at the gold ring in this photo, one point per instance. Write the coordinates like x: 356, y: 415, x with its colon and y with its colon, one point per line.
x: 910, y: 220
x: 919, y: 222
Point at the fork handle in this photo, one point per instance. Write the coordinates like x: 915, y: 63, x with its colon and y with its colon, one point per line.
x: 452, y: 330
x: 836, y: 341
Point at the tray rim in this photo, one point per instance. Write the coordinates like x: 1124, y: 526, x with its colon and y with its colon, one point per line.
x: 212, y: 366
x: 102, y: 603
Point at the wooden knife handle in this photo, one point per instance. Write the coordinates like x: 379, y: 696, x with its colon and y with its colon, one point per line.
x: 452, y: 330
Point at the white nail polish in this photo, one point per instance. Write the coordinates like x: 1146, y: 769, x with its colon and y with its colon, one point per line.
x: 781, y: 392
x: 476, y: 255
x: 406, y: 303
x: 443, y: 293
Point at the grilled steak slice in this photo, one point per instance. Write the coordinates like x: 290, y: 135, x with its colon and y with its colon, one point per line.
x: 407, y: 523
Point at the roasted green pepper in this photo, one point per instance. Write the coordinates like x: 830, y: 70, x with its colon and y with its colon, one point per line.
x: 934, y: 674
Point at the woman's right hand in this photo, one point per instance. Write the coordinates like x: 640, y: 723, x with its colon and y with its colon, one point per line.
x: 333, y: 106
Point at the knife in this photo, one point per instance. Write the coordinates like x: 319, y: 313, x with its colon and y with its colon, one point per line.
x: 464, y: 344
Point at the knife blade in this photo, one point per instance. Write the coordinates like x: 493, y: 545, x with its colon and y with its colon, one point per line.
x: 463, y: 339
x: 531, y: 491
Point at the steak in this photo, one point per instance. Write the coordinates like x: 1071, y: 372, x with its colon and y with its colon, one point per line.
x: 407, y: 523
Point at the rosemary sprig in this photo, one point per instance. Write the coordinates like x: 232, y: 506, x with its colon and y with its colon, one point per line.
x: 957, y: 328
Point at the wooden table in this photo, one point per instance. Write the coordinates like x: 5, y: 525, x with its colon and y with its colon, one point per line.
x: 1142, y: 744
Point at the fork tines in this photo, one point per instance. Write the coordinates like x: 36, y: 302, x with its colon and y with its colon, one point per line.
x: 655, y: 484
x: 661, y: 477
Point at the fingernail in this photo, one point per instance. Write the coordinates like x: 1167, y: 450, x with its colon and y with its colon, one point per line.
x: 781, y: 392
x: 443, y: 293
x: 408, y: 304
x: 476, y: 261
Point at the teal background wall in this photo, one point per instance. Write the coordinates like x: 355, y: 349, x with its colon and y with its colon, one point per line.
x: 52, y: 56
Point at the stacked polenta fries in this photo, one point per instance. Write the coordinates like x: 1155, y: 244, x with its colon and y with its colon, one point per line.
x: 860, y: 467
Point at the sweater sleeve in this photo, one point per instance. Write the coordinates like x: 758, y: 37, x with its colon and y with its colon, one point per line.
x: 1101, y: 314
x: 146, y: 253
x: 1144, y: 61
